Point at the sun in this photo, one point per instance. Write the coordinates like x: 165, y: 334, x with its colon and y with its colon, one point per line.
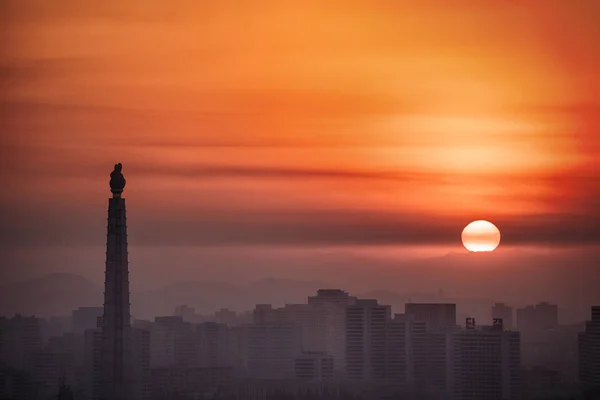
x: 481, y: 236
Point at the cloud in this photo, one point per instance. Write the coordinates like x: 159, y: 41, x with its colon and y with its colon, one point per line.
x: 324, y: 227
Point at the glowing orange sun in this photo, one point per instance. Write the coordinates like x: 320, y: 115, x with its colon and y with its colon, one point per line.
x: 481, y: 236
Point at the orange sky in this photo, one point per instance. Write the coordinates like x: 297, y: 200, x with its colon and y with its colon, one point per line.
x: 432, y: 109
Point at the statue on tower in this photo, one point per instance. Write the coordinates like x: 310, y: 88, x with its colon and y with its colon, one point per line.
x: 117, y: 180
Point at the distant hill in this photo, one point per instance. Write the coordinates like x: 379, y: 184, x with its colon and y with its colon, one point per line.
x: 59, y: 294
x: 473, y: 281
x: 207, y: 297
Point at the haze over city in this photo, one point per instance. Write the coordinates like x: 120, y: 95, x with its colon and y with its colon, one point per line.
x: 272, y: 149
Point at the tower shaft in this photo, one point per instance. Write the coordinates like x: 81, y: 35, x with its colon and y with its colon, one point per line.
x: 116, y: 350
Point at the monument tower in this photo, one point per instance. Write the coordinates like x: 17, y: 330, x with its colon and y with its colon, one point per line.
x: 117, y: 347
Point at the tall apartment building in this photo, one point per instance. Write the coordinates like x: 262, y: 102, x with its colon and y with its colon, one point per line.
x: 92, y: 364
x: 366, y: 340
x: 189, y: 382
x: 49, y: 369
x: 213, y: 345
x: 85, y: 318
x: 173, y: 343
x: 266, y: 314
x: 486, y: 364
x: 438, y: 316
x: 315, y: 366
x: 504, y: 312
x: 305, y: 316
x: 141, y: 378
x: 227, y: 317
x: 547, y: 315
x: 531, y: 320
x: 237, y: 349
x: 271, y: 349
x: 55, y: 326
x: 20, y: 340
x: 398, y: 350
x: 329, y: 334
x: 589, y: 352
x: 186, y: 312
x: 429, y: 346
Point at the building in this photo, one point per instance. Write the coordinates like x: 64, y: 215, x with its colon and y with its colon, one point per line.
x: 532, y: 320
x: 227, y: 317
x: 92, y: 364
x: 173, y: 342
x: 50, y: 368
x: 486, y: 363
x: 398, y: 350
x: 120, y: 357
x: 141, y: 380
x: 304, y: 316
x: 85, y: 318
x: 266, y: 314
x: 213, y: 345
x: 62, y: 359
x: 428, y: 359
x: 314, y: 366
x: 55, y: 326
x: 20, y: 339
x: 589, y: 352
x: 504, y: 312
x: 547, y: 315
x: 544, y: 383
x: 271, y: 349
x: 366, y: 340
x: 16, y: 385
x: 189, y: 382
x: 186, y: 312
x: 428, y: 327
x: 438, y: 316
x: 329, y: 331
x: 237, y: 349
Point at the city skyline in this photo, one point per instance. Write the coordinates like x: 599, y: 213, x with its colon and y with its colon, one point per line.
x: 330, y: 346
x: 376, y: 200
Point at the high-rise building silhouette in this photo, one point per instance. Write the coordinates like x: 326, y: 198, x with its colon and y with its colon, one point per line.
x: 504, y: 312
x: 366, y: 340
x: 531, y: 320
x: 85, y: 318
x: 173, y: 343
x: 398, y: 357
x: 589, y: 352
x: 213, y: 345
x: 485, y: 363
x: 20, y: 340
x: 315, y: 366
x: 429, y: 326
x: 436, y: 315
x: 329, y: 334
x: 92, y: 361
x: 272, y: 348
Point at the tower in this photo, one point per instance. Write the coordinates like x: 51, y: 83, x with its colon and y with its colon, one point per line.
x: 116, y: 344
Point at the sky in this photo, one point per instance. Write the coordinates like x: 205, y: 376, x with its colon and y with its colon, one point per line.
x: 312, y: 123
